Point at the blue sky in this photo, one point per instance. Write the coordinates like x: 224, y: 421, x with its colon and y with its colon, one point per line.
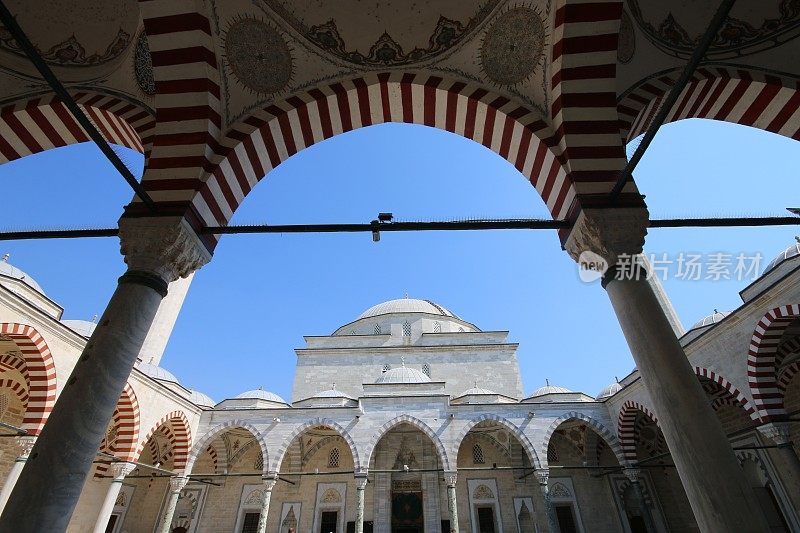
x: 250, y: 307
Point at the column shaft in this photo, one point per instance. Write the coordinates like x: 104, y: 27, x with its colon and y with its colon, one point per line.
x: 452, y: 507
x: 359, y: 509
x: 718, y: 492
x: 262, y: 518
x: 169, y: 511
x: 53, y: 476
x: 11, y: 480
x: 647, y: 516
x: 108, y: 506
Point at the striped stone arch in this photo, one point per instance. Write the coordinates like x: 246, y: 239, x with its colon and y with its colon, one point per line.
x: 42, y: 122
x: 40, y: 371
x: 444, y: 457
x: 275, y: 464
x: 762, y: 100
x: 583, y: 98
x: 730, y: 391
x: 786, y: 376
x: 11, y: 362
x: 19, y: 390
x: 208, y: 439
x: 260, y: 142
x: 126, y: 420
x: 626, y: 427
x: 523, y: 439
x: 761, y: 361
x: 187, y: 99
x: 180, y: 435
x: 598, y: 427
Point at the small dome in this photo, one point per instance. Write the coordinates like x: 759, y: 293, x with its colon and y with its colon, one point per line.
x: 82, y: 327
x: 476, y: 391
x: 609, y: 391
x: 406, y: 305
x: 260, y: 394
x: 156, y: 372
x: 549, y: 389
x: 7, y: 269
x: 331, y: 393
x: 403, y: 374
x: 791, y: 251
x: 198, y: 398
x: 711, y: 319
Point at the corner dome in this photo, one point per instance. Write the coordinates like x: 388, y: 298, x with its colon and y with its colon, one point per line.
x: 331, y: 393
x: 788, y: 253
x: 549, y: 389
x: 403, y: 374
x: 9, y: 270
x: 260, y: 394
x: 81, y: 327
x: 198, y: 398
x: 477, y: 391
x: 156, y: 372
x: 406, y: 305
x: 609, y: 391
x: 709, y: 320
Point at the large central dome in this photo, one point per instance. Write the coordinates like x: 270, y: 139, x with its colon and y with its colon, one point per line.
x: 406, y: 305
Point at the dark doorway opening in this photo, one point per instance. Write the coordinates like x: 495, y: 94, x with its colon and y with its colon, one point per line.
x: 328, y: 521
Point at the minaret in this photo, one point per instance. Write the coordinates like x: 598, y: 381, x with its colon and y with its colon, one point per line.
x: 156, y: 341
x: 663, y: 299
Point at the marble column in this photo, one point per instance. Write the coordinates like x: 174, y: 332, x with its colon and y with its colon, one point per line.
x: 633, y: 475
x: 780, y: 435
x: 176, y: 485
x: 157, y: 251
x: 543, y: 476
x: 718, y: 492
x: 119, y: 471
x: 23, y: 446
x: 450, y: 478
x: 269, y: 484
x: 361, y: 485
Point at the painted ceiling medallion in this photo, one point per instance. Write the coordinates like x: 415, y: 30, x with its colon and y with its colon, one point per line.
x: 752, y: 27
x: 258, y: 56
x: 143, y: 66
x: 626, y: 45
x: 513, y: 46
x: 70, y: 52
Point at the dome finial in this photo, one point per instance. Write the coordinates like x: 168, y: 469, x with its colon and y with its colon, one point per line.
x: 796, y: 238
x: 406, y: 295
x: 547, y: 382
x: 334, y: 386
x: 476, y: 383
x: 616, y: 379
x: 403, y: 361
x: 5, y: 257
x: 94, y: 318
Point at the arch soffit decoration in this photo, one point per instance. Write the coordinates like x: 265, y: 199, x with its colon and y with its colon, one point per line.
x: 599, y: 428
x: 626, y: 426
x: 275, y: 464
x: 515, y: 431
x: 207, y: 440
x: 126, y: 420
x: 181, y: 438
x: 729, y: 389
x: 444, y: 457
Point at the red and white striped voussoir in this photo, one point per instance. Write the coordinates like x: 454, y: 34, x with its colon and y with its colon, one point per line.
x: 729, y: 390
x: 41, y: 373
x: 741, y: 96
x: 761, y: 360
x: 786, y: 376
x: 126, y: 420
x: 14, y: 363
x: 265, y: 139
x: 177, y: 427
x: 187, y: 98
x: 17, y: 388
x: 626, y: 427
x: 42, y: 123
x: 583, y: 85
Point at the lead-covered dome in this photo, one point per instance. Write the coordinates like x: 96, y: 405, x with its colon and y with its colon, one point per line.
x: 156, y: 372
x: 82, y: 327
x: 549, y: 389
x: 710, y: 320
x: 198, y: 398
x: 260, y: 394
x: 609, y: 391
x: 403, y: 374
x: 9, y: 270
x: 406, y: 305
x: 788, y: 253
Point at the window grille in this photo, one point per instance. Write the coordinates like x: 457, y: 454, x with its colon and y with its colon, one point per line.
x: 333, y: 458
x: 377, y: 329
x: 407, y: 328
x: 426, y: 369
x: 477, y: 455
x: 437, y: 327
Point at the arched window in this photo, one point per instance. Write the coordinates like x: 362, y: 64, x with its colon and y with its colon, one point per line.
x: 377, y: 329
x: 406, y: 328
x: 426, y: 369
x: 437, y: 327
x: 333, y: 458
x: 477, y: 455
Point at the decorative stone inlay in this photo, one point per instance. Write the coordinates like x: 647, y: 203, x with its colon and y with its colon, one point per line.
x: 482, y: 492
x: 24, y: 445
x: 513, y: 46
x: 258, y: 55
x: 165, y: 246
x: 777, y: 431
x: 626, y: 45
x: 608, y: 233
x: 361, y: 482
x: 143, y: 66
x: 543, y: 475
x: 331, y: 496
x: 177, y: 484
x: 120, y: 470
x: 558, y: 490
x: 256, y: 497
x: 632, y: 474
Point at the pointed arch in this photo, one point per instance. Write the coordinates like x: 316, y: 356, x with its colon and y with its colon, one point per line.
x: 40, y: 371
x: 444, y: 457
x: 761, y: 361
x: 180, y: 438
x: 529, y: 448
x: 41, y: 122
x: 597, y: 426
x: 126, y: 422
x: 626, y: 427
x: 729, y: 390
x: 209, y: 437
x: 299, y: 430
